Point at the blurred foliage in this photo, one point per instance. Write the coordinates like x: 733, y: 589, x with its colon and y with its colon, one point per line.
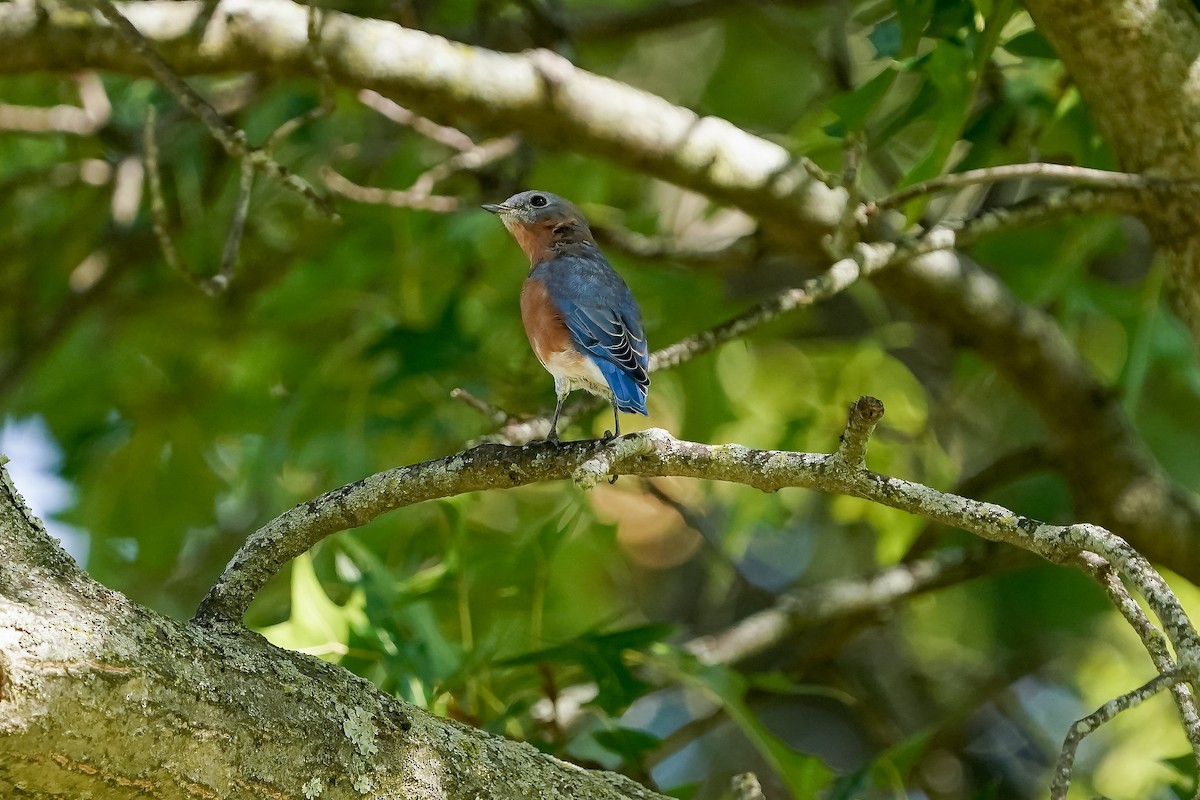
x: 184, y: 422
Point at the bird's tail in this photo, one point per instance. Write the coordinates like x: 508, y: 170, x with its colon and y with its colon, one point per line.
x: 629, y: 393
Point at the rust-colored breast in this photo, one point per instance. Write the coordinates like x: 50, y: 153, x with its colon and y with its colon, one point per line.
x: 533, y: 239
x: 548, y: 334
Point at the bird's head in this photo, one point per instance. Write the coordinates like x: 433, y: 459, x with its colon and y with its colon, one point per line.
x: 539, y: 219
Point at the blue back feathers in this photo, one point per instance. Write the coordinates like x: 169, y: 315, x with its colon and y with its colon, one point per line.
x: 602, y: 316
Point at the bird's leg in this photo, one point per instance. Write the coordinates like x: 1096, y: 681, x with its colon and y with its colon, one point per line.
x: 610, y: 435
x: 562, y: 395
x: 617, y: 427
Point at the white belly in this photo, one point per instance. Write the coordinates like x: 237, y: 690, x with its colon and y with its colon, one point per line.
x: 573, y: 371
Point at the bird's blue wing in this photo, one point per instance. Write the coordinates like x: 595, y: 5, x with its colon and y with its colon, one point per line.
x: 604, y: 321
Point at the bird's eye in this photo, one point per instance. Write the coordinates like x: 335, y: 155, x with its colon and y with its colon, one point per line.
x: 538, y: 201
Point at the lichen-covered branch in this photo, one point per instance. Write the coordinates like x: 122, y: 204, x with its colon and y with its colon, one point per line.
x: 104, y: 698
x: 1066, y: 759
x: 1152, y: 639
x: 1134, y: 62
x: 655, y: 453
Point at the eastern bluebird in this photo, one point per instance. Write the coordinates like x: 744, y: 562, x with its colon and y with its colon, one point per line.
x: 581, y: 319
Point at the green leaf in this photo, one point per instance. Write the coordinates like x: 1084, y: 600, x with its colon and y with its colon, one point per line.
x: 602, y: 656
x: 630, y: 744
x: 1184, y: 767
x: 317, y: 625
x: 853, y: 108
x: 949, y: 69
x: 914, y: 16
x: 804, y: 774
x: 1030, y: 44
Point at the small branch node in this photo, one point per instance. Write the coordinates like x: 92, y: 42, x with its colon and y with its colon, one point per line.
x: 815, y: 172
x: 865, y: 414
x: 554, y: 69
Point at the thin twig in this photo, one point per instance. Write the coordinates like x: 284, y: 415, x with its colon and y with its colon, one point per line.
x: 158, y: 204
x: 400, y: 198
x: 849, y: 227
x: 1085, y: 176
x: 1152, y: 639
x: 840, y: 599
x: 494, y: 413
x: 478, y: 157
x: 865, y: 414
x: 316, y: 19
x: 218, y: 283
x: 1081, y: 729
x: 451, y: 137
x: 231, y: 139
x: 814, y: 170
x: 92, y: 113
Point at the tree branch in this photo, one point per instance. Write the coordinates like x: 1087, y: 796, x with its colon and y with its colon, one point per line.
x: 1084, y: 176
x: 1152, y: 639
x: 91, y: 115
x: 842, y: 598
x: 234, y: 141
x: 1132, y: 62
x: 655, y: 453
x: 1089, y: 724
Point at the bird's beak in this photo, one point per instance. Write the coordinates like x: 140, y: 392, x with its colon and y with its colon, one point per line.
x: 495, y: 208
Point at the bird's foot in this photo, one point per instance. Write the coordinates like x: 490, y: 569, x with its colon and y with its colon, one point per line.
x: 608, y: 436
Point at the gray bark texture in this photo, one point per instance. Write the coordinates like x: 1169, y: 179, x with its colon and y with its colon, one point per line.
x: 102, y: 698
x: 1134, y: 61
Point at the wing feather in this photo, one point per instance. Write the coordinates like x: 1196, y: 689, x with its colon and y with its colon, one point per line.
x: 604, y: 321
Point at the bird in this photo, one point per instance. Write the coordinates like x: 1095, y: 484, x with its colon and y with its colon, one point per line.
x: 583, y: 322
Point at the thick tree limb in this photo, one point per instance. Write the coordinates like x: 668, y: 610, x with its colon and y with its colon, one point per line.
x: 539, y: 92
x: 103, y: 698
x: 1134, y: 62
